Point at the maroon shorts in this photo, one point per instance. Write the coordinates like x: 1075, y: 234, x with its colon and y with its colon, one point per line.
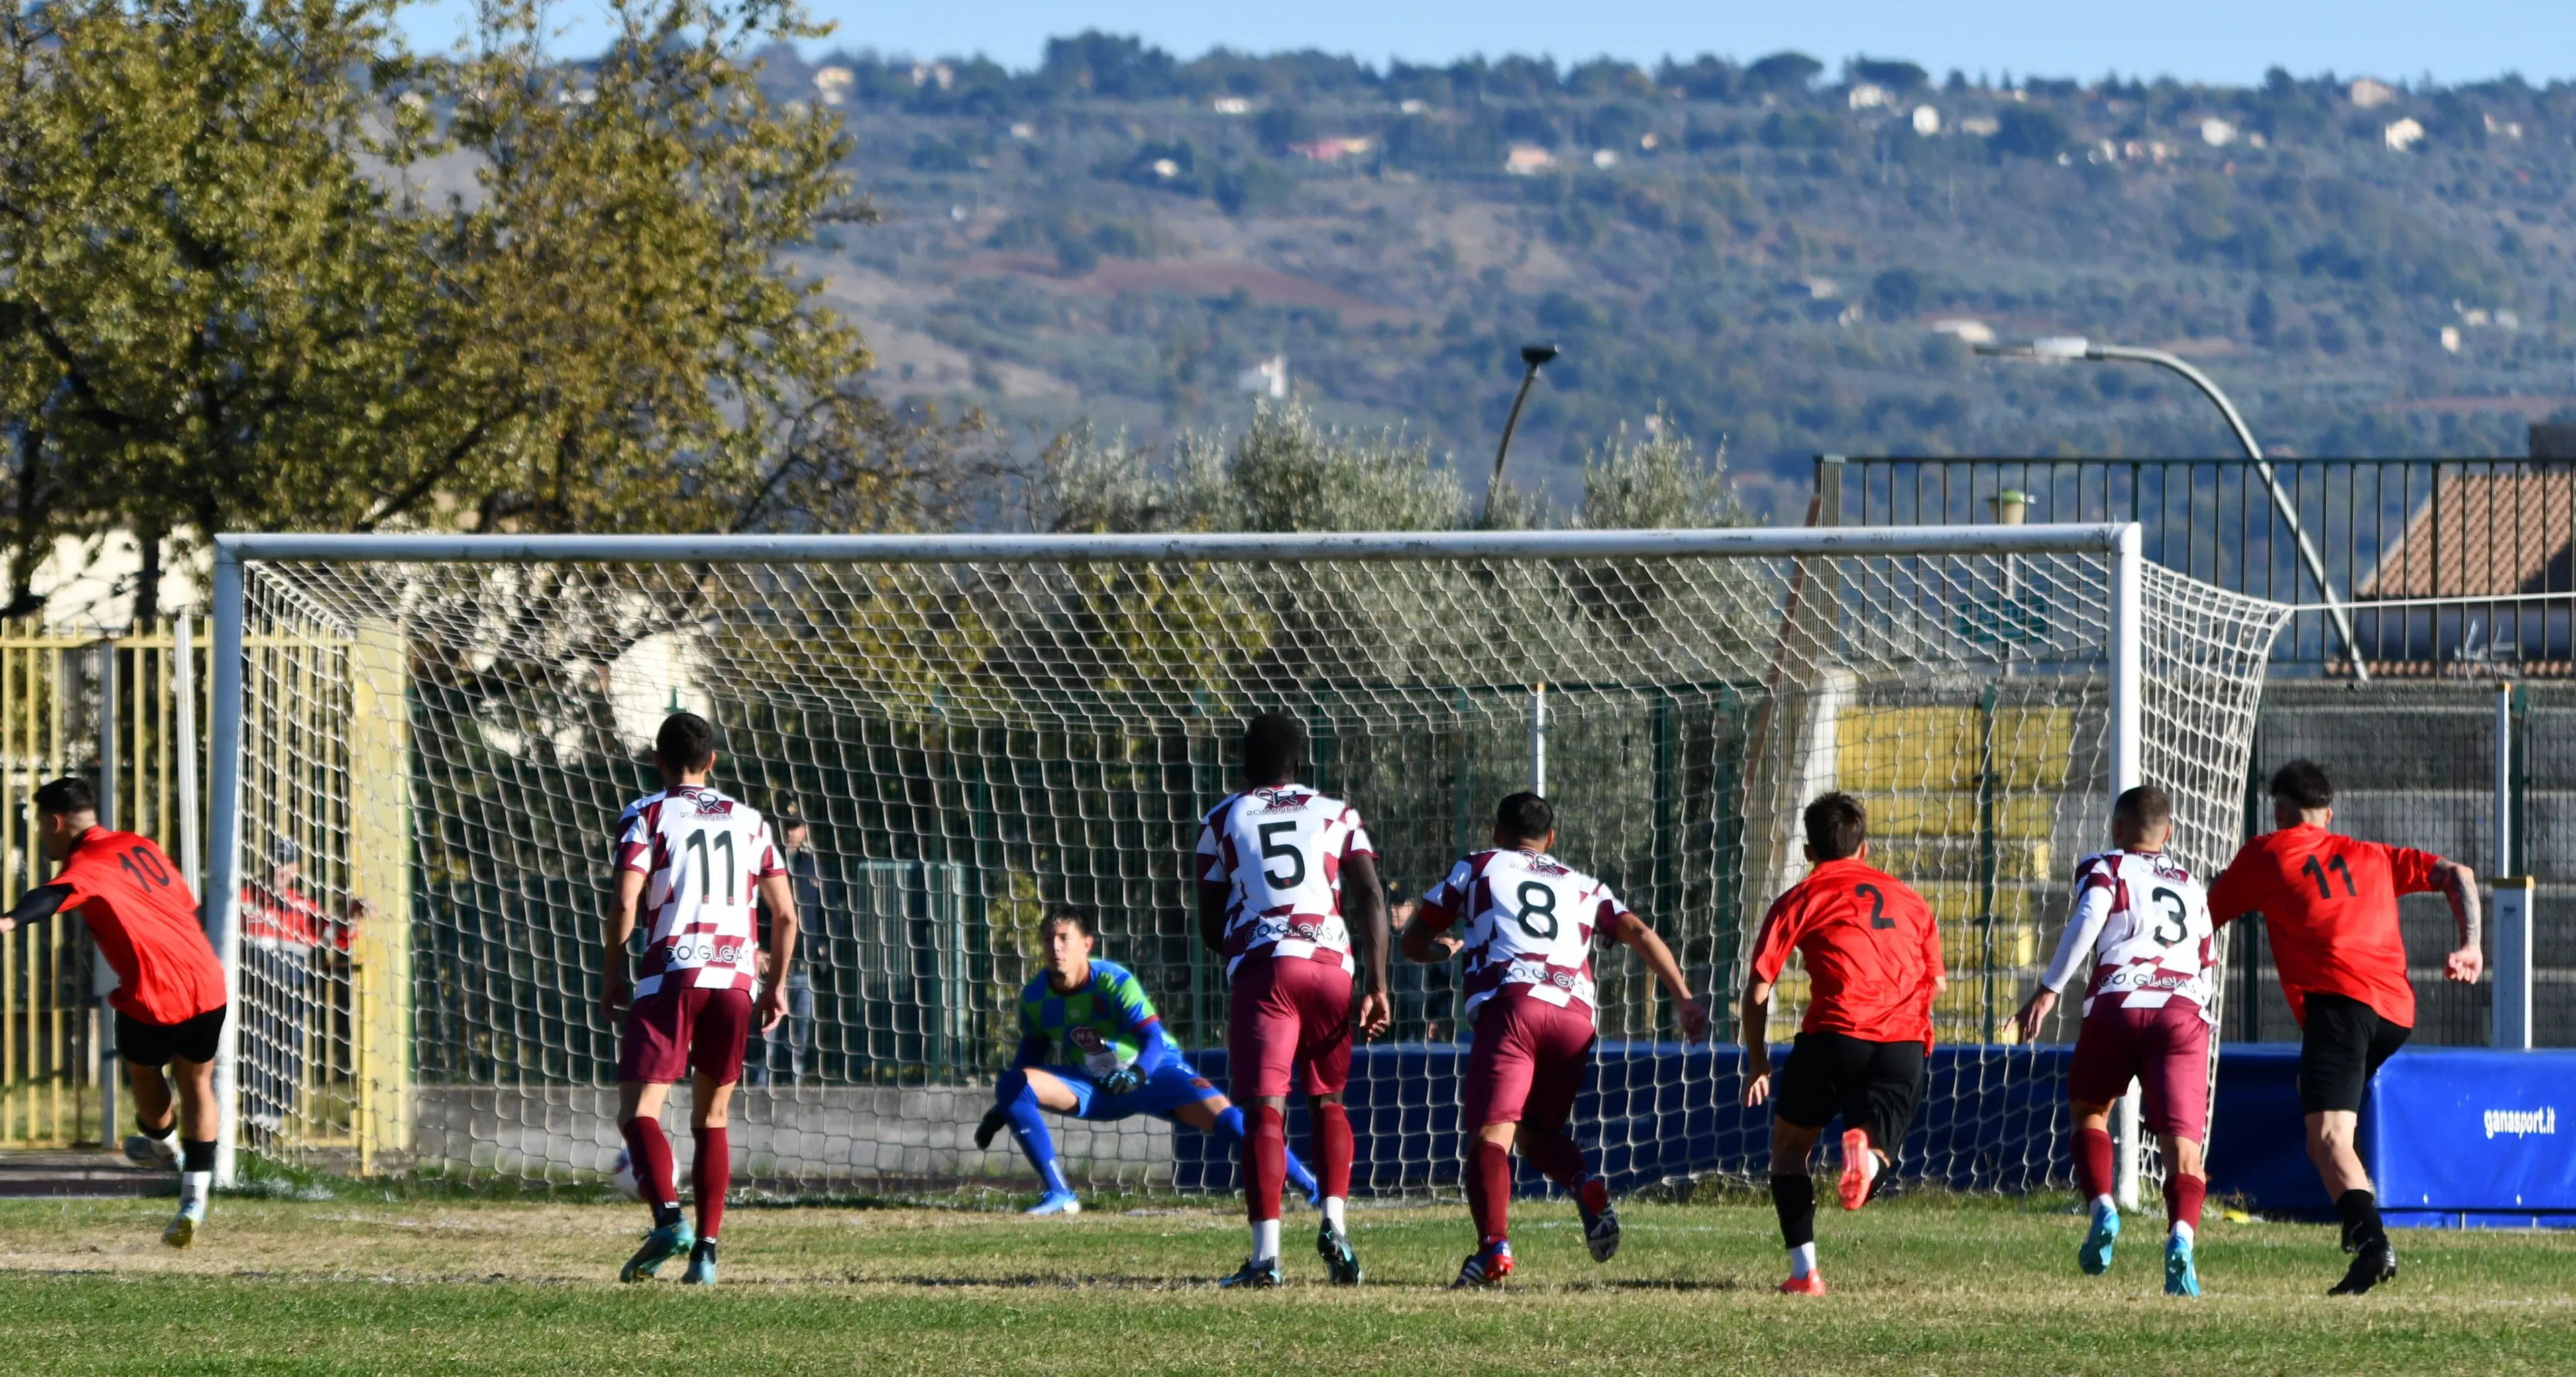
x: 2165, y: 1049
x: 1289, y: 1015
x: 672, y: 1032
x: 1527, y: 1063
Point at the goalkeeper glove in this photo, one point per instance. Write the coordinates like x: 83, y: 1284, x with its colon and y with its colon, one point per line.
x: 1126, y: 1080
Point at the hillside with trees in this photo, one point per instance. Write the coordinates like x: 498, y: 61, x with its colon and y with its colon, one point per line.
x: 1778, y: 256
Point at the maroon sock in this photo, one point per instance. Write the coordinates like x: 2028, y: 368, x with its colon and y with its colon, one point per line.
x: 2093, y: 1163
x: 711, y: 1175
x: 2183, y: 1195
x: 1265, y: 1163
x: 649, y: 1153
x: 1489, y: 1191
x: 1555, y: 1156
x: 1332, y: 1141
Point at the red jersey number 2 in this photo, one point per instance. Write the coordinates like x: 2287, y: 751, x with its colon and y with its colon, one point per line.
x: 1878, y: 919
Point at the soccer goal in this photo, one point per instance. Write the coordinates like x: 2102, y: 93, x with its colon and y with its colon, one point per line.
x: 422, y: 744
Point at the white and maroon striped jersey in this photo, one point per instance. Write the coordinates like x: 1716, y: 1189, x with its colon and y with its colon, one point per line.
x: 1279, y: 852
x: 703, y: 856
x: 1526, y: 920
x: 2146, y: 920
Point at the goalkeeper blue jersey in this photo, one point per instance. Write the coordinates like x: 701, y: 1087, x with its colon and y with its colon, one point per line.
x: 1100, y: 1027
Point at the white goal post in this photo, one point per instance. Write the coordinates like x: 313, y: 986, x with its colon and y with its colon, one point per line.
x: 420, y: 742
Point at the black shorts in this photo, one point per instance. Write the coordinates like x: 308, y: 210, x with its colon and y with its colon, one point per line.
x: 1872, y: 1085
x: 2341, y: 1048
x: 158, y: 1044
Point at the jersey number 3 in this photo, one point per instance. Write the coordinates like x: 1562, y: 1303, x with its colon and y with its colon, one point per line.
x: 2174, y: 913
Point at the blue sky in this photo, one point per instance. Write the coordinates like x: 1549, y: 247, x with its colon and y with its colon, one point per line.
x: 2219, y: 41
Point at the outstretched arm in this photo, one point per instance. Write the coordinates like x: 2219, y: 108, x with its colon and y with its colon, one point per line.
x: 1631, y: 931
x: 2460, y: 886
x: 2083, y: 929
x: 35, y: 906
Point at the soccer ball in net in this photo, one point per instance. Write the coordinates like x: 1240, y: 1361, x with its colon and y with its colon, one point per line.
x: 622, y: 1176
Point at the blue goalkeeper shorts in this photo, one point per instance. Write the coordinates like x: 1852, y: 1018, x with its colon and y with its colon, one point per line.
x: 1171, y: 1088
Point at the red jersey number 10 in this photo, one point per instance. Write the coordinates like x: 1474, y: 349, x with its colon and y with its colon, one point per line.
x: 2313, y: 871
x: 148, y: 872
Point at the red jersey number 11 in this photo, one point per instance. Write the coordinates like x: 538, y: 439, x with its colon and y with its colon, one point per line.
x: 2313, y: 871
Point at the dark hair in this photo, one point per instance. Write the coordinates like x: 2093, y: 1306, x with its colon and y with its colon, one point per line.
x: 686, y: 742
x: 789, y: 822
x: 1273, y: 747
x: 1524, y: 817
x: 2303, y: 782
x: 66, y: 797
x: 2144, y: 808
x: 1075, y: 914
x: 1836, y: 826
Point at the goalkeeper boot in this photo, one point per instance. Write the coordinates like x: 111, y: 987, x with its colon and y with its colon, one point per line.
x: 1485, y: 1266
x: 1600, y: 1224
x: 702, y: 1264
x: 1335, y: 1248
x: 995, y: 1120
x: 2181, y: 1278
x: 143, y: 1150
x: 1056, y: 1202
x: 1256, y: 1274
x: 2372, y: 1263
x: 2095, y: 1256
x: 664, y: 1243
x: 1857, y: 1174
x: 183, y: 1230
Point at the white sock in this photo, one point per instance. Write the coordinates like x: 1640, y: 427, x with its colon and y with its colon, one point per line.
x: 2182, y: 1231
x: 1802, y: 1261
x: 1265, y: 1240
x: 2104, y: 1205
x: 192, y: 1186
x: 1333, y: 1207
x: 1869, y: 1166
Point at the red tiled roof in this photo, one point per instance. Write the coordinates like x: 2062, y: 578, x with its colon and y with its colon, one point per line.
x: 2481, y: 535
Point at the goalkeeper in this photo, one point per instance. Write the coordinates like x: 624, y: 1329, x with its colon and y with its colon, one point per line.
x: 1110, y: 1061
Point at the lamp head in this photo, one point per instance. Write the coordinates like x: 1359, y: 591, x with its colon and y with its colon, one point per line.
x: 1536, y: 354
x: 2053, y: 348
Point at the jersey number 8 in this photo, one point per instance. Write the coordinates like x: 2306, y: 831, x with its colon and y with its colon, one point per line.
x: 1537, y: 901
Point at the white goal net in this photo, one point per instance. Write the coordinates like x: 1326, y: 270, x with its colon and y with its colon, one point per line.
x: 423, y: 745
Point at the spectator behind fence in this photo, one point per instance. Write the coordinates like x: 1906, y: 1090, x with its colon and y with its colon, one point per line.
x: 789, y: 1048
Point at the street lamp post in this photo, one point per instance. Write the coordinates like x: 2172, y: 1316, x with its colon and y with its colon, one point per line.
x: 2073, y: 347
x: 1533, y: 358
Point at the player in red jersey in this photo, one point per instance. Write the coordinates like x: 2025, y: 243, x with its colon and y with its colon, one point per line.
x: 1526, y: 922
x: 2329, y: 905
x: 1873, y: 959
x: 1283, y: 873
x: 696, y: 860
x: 169, y: 998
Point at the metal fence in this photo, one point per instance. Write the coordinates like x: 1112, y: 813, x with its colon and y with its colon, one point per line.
x: 2472, y: 530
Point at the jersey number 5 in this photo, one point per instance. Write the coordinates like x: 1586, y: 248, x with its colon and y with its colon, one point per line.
x: 1877, y: 906
x: 1296, y: 859
x: 2313, y: 871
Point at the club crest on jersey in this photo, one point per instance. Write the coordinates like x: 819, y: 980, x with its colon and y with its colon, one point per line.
x: 1282, y: 800
x: 1086, y: 1037
x: 714, y: 807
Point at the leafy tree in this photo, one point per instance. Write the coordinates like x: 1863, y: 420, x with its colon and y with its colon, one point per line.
x: 2027, y: 131
x: 1657, y: 482
x: 1782, y: 73
x: 1898, y: 77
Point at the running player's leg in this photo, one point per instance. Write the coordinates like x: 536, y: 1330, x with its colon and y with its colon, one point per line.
x: 2173, y: 1086
x: 190, y: 1049
x: 2341, y: 1047
x: 2106, y: 1059
x: 1804, y: 1097
x: 1885, y: 1094
x: 1025, y: 1095
x: 1496, y: 1094
x: 1261, y: 1050
x: 1565, y: 1050
x: 1324, y: 1057
x: 720, y: 1033
x: 652, y: 1055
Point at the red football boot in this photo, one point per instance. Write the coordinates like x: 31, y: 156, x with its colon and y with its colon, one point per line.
x: 1857, y: 1159
x: 1812, y: 1284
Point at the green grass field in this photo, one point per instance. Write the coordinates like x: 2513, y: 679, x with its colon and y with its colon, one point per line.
x: 1921, y: 1285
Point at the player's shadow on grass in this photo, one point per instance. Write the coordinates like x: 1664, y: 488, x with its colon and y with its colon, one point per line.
x: 1032, y: 1281
x: 1658, y: 1284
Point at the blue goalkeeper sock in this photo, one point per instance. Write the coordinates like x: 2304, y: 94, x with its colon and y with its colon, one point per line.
x: 1028, y: 1124
x: 1229, y: 1126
